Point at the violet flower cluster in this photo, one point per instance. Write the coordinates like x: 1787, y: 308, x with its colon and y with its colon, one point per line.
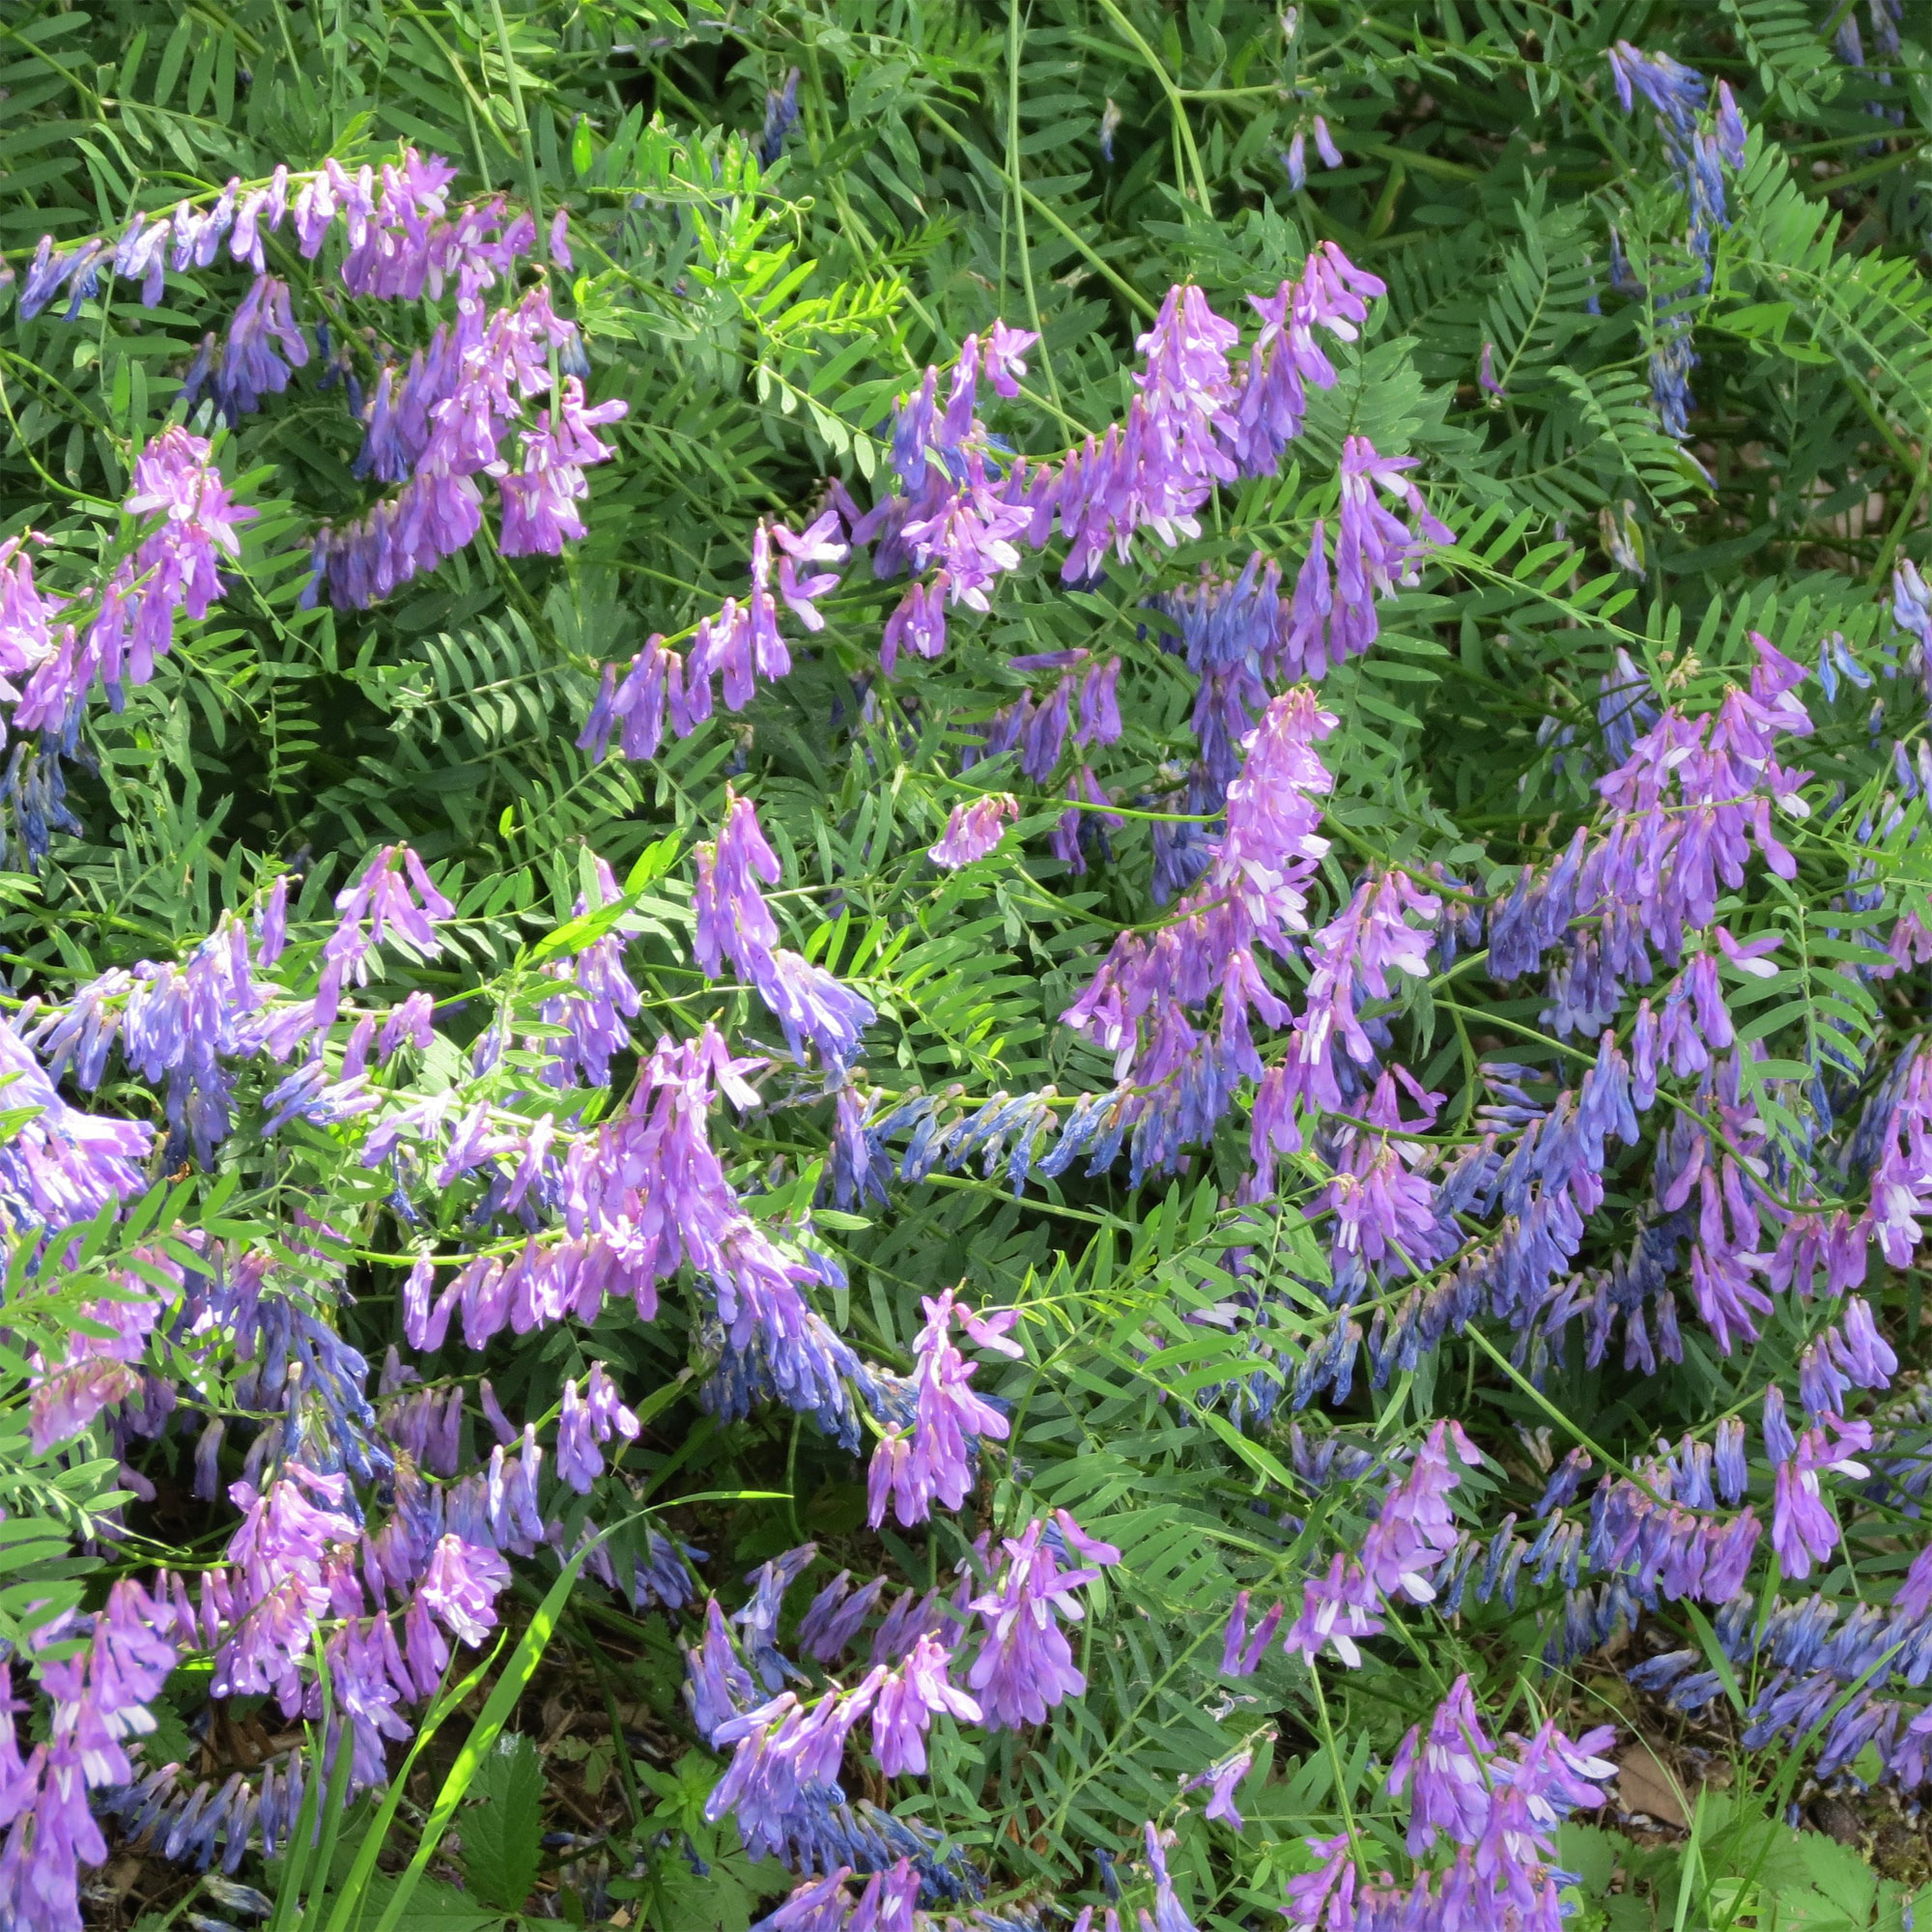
x: 1176, y: 1078
x: 735, y: 925
x: 1701, y: 151
x: 1494, y: 1810
x: 932, y: 1456
x: 783, y: 1784
x: 48, y: 665
x: 434, y: 427
x: 1412, y: 1533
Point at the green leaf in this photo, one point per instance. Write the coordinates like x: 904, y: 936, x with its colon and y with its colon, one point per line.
x: 502, y: 1830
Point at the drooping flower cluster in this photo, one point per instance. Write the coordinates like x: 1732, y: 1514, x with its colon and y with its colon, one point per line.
x: 1411, y: 1534
x: 974, y: 831
x: 784, y: 1787
x: 1685, y: 811
x: 1252, y: 894
x: 739, y: 645
x: 1699, y: 149
x: 99, y: 1699
x: 173, y: 571
x: 595, y: 1001
x: 402, y: 238
x: 443, y: 428
x: 931, y: 1457
x: 1242, y: 639
x: 60, y: 1165
x: 735, y: 925
x: 434, y: 428
x: 1495, y: 1810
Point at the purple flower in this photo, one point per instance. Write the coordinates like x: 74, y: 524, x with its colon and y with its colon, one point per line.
x: 99, y: 1369
x: 937, y: 1460
x: 1003, y: 355
x: 1450, y: 1773
x: 974, y: 830
x: 819, y: 542
x: 141, y: 254
x: 48, y: 273
x: 63, y: 1166
x: 886, y: 1905
x: 734, y: 922
x: 1730, y: 128
x: 1382, y: 1206
x: 1911, y: 602
x: 26, y: 641
x: 1671, y: 362
x: 918, y: 623
x: 813, y: 1008
x: 1502, y: 1809
x: 968, y: 533
x: 1413, y: 1531
x: 99, y: 1699
x: 461, y: 1586
x: 1025, y: 1665
x: 1728, y: 1460
x: 1168, y: 1917
x: 780, y: 118
x: 717, y: 1685
x: 172, y: 572
x: 444, y: 428
x: 1235, y: 1639
x: 909, y: 1697
x: 395, y: 901
x: 1375, y: 551
x: 1914, y: 1598
x: 578, y: 1460
x: 586, y: 1421
x: 1803, y: 1530
x: 784, y: 1751
x: 1675, y: 91
x: 599, y: 1001
x: 263, y: 346
x: 539, y: 501
x: 1325, y: 1895
x: 836, y: 1615
x: 1271, y: 850
x: 1354, y: 955
x: 1222, y: 1779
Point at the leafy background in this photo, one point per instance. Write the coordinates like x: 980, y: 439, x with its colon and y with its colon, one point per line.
x: 760, y: 322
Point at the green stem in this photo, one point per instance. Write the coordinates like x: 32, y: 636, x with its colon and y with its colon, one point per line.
x: 1183, y: 128
x: 1019, y: 193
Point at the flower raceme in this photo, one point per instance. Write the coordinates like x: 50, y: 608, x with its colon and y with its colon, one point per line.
x: 784, y: 1783
x: 974, y: 830
x: 433, y: 427
x: 1494, y: 1811
x: 966, y: 510
x: 935, y: 1459
x: 172, y: 572
x: 402, y: 237
x: 735, y: 925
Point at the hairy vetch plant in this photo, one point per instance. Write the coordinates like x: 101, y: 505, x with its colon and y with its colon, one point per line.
x: 1108, y: 1109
